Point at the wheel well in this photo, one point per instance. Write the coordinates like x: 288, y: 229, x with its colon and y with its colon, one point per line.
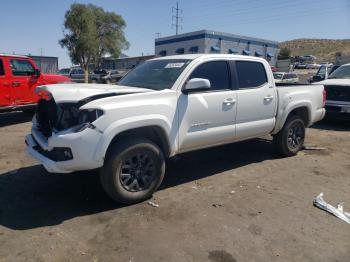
x: 303, y: 113
x: 154, y: 133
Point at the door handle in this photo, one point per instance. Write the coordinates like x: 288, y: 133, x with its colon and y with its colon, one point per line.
x: 229, y: 101
x: 14, y: 84
x: 268, y: 98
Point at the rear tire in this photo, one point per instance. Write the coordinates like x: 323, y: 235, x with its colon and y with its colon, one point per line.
x: 133, y: 170
x: 289, y: 141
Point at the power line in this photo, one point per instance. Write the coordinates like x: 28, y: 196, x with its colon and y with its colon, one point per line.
x: 230, y: 11
x: 280, y: 17
x: 177, y: 17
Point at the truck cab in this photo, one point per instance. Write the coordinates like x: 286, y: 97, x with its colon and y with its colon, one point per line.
x: 19, y: 76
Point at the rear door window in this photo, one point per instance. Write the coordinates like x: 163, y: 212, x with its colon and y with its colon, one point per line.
x: 2, y: 71
x: 216, y: 72
x: 250, y: 74
x: 21, y: 67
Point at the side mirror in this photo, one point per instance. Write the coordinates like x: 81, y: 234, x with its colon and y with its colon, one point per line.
x: 196, y: 85
x: 36, y: 73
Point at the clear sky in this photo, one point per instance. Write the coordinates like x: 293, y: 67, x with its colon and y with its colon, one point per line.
x: 36, y: 26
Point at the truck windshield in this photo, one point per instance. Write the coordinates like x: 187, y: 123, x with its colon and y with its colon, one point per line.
x: 155, y: 74
x: 341, y: 72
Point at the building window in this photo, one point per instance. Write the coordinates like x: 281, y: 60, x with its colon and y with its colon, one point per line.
x: 162, y: 53
x: 233, y: 50
x: 258, y: 54
x: 180, y: 50
x: 269, y: 56
x: 215, y: 49
x: 193, y: 49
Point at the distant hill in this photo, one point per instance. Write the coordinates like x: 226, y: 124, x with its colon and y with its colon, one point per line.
x: 323, y: 49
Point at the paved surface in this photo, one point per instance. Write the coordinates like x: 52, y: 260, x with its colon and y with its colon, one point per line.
x: 233, y: 203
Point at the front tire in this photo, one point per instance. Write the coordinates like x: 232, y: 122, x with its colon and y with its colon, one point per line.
x: 289, y: 141
x: 133, y: 170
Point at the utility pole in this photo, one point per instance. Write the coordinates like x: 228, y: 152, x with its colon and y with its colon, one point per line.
x: 177, y: 17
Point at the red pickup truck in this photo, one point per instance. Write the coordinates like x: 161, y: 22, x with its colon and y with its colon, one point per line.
x: 19, y: 76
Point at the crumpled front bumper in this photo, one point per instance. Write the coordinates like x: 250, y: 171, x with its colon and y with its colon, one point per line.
x: 82, y: 145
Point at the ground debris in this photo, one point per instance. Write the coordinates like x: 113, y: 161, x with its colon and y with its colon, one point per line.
x: 152, y: 204
x: 312, y: 147
x: 218, y: 205
x: 336, y: 211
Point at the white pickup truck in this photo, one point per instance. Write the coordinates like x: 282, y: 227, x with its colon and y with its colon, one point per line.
x: 162, y: 108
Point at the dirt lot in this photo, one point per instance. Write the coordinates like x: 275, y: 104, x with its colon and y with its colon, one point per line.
x: 231, y: 203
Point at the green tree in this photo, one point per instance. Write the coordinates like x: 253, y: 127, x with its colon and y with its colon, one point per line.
x: 90, y: 33
x: 284, y: 53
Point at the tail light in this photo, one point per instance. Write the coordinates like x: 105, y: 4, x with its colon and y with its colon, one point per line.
x: 324, y: 93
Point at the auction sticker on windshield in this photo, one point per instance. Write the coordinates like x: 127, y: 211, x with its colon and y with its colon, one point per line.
x: 174, y: 65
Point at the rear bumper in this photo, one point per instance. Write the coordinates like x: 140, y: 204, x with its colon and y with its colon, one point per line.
x: 82, y: 145
x: 338, y: 110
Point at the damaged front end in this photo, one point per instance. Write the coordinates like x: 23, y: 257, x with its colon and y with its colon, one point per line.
x: 66, y: 131
x: 64, y: 136
x: 53, y: 118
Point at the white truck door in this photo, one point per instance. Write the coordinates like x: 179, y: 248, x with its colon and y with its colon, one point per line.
x: 208, y: 118
x: 256, y: 100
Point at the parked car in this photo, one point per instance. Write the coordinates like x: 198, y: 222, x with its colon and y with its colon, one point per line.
x: 323, y: 73
x: 76, y: 74
x: 338, y: 92
x: 107, y: 76
x: 299, y: 66
x: 113, y: 76
x: 64, y: 72
x: 19, y: 76
x: 282, y: 77
x: 164, y: 107
x: 313, y: 66
x: 327, y: 64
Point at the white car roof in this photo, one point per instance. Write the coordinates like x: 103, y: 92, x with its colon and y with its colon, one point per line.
x: 195, y: 56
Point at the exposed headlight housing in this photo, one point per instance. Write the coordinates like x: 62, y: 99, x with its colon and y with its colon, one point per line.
x: 85, y: 118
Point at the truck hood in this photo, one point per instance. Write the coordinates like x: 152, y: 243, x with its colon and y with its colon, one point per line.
x: 335, y: 82
x: 71, y: 92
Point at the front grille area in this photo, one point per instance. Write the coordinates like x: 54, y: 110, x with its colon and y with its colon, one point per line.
x: 338, y: 93
x: 46, y: 116
x: 57, y: 154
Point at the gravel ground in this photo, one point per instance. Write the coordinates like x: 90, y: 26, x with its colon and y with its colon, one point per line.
x: 232, y: 203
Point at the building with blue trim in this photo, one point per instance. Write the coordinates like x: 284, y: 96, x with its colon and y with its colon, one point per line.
x: 207, y: 41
